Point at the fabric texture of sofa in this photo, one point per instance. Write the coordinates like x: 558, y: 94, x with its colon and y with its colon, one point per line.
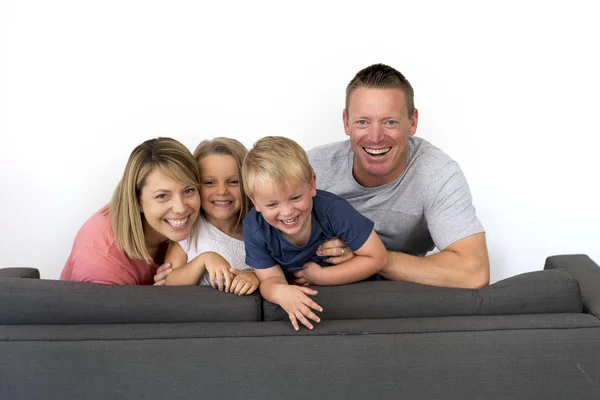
x: 531, y: 336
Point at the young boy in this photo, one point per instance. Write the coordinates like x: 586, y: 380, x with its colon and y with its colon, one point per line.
x: 289, y: 221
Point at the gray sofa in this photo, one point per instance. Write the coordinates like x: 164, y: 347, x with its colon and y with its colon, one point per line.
x: 532, y: 336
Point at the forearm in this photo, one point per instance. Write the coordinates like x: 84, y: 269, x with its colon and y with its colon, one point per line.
x: 354, y: 270
x: 188, y: 274
x: 446, y: 268
x: 269, y: 288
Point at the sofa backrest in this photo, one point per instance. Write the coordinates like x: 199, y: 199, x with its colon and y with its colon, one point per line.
x: 540, y: 292
x: 34, y: 301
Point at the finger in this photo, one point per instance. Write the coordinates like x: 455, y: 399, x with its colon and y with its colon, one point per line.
x: 303, y: 320
x: 236, y: 285
x: 220, y: 280
x: 307, y: 290
x: 244, y: 290
x: 162, y: 282
x: 311, y: 303
x: 308, y: 313
x: 162, y: 275
x: 228, y: 278
x: 300, y: 281
x: 294, y: 322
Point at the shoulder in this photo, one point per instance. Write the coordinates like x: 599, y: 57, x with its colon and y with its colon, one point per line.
x: 96, y: 232
x: 327, y: 203
x: 329, y: 153
x: 427, y: 156
x: 253, y: 223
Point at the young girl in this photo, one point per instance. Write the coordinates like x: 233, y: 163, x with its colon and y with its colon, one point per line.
x: 224, y: 205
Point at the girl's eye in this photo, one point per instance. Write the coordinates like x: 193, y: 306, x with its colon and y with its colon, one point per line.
x: 234, y: 182
x: 208, y: 183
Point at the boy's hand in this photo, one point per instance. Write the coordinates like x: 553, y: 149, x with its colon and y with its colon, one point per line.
x: 218, y: 269
x: 336, y: 250
x: 161, y: 274
x: 311, y: 273
x: 244, y: 282
x: 294, y: 300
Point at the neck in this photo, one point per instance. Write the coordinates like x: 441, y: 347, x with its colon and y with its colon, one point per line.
x: 228, y: 226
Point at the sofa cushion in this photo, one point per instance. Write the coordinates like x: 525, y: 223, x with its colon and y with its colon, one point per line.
x: 33, y: 301
x: 539, y: 292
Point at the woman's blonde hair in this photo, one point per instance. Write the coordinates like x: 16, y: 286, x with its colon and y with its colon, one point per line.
x: 171, y: 159
x: 227, y: 147
x: 275, y: 159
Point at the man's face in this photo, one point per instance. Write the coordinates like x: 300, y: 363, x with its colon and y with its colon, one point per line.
x: 378, y: 124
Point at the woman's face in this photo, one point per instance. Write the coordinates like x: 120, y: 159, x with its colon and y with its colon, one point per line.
x: 169, y: 208
x: 220, y: 188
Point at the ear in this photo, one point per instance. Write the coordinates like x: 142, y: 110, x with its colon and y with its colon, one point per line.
x: 345, y: 122
x: 313, y: 189
x: 414, y: 121
x: 254, y: 203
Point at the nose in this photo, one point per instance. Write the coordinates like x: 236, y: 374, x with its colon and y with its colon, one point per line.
x: 287, y: 210
x: 222, y: 188
x: 178, y: 205
x: 376, y: 132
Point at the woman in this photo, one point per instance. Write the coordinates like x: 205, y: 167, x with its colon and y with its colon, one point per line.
x: 157, y: 201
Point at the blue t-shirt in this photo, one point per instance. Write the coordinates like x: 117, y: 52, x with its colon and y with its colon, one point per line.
x: 332, y: 216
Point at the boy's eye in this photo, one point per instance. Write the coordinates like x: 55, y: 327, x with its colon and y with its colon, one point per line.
x: 297, y: 197
x: 271, y: 205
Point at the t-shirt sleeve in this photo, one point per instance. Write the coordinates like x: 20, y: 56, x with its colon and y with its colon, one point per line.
x: 348, y: 224
x: 91, y: 265
x: 257, y: 252
x: 449, y: 209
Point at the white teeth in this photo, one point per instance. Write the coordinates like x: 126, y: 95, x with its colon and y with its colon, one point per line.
x: 377, y: 152
x: 289, y: 221
x: 221, y: 203
x: 178, y: 222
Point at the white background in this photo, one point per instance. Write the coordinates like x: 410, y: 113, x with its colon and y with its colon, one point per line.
x: 508, y: 88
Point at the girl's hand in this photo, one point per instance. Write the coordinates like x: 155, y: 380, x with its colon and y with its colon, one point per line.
x: 218, y: 270
x: 244, y: 282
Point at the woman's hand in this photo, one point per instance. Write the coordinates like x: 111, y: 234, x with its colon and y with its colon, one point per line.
x: 244, y: 282
x: 160, y: 277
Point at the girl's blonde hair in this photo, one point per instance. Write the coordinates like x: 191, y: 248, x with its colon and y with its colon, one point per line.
x: 227, y: 147
x: 171, y: 159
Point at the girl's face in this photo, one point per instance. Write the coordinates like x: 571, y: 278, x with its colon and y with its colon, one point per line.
x: 170, y: 208
x: 220, y: 188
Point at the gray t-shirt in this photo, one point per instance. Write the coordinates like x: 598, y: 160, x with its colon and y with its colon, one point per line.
x: 429, y: 205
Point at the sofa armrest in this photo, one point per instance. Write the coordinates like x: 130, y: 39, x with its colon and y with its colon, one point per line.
x: 587, y: 273
x: 19, y: 273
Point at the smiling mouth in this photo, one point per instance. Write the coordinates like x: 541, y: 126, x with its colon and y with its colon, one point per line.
x: 222, y: 203
x: 377, y: 152
x: 290, y: 221
x: 177, y: 222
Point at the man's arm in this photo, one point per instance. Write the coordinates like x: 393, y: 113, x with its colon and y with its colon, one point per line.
x: 463, y: 264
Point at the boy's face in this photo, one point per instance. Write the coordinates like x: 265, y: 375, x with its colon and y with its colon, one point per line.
x: 287, y: 207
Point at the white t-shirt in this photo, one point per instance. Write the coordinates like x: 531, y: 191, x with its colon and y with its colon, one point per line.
x: 212, y: 239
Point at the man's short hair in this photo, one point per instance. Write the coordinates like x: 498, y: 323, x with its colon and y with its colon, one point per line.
x: 381, y: 76
x: 275, y: 159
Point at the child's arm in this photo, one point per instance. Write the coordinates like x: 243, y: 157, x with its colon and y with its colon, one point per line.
x: 293, y: 299
x: 191, y: 273
x: 369, y: 260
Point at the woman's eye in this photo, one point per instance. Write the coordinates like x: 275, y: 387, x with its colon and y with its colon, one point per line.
x: 160, y: 196
x: 190, y: 190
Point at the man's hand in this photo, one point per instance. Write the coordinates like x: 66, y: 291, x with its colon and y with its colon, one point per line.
x: 336, y: 250
x: 244, y: 282
x: 294, y: 300
x: 161, y: 274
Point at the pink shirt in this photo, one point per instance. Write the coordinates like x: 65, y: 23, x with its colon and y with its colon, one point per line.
x: 95, y: 257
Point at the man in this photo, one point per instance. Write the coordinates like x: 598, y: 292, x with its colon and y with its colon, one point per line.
x: 417, y: 196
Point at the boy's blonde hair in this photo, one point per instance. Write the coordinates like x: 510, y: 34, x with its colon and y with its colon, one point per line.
x: 227, y: 147
x: 275, y: 159
x: 170, y: 158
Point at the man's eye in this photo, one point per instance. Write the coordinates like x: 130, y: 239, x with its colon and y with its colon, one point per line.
x: 361, y: 122
x: 391, y: 122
